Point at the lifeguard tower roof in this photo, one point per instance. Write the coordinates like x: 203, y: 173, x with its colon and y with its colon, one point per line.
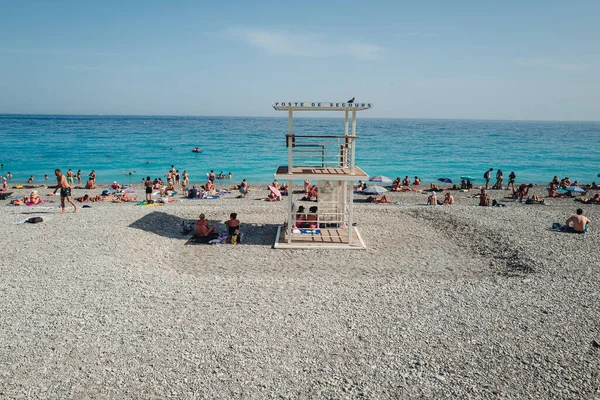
x: 320, y: 106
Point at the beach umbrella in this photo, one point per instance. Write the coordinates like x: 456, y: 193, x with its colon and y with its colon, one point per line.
x: 375, y: 190
x: 445, y: 180
x: 575, y: 189
x: 380, y: 178
x: 467, y: 178
x: 275, y: 191
x: 598, y: 175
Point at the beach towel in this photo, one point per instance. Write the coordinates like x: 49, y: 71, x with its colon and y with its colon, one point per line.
x: 558, y: 227
x: 210, y: 239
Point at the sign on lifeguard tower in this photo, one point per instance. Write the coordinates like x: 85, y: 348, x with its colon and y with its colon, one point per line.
x: 320, y: 106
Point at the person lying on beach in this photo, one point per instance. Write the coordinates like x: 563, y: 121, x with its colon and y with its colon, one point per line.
x: 17, y: 202
x: 448, y: 200
x: 84, y: 199
x: 535, y: 199
x: 577, y: 223
x: 34, y: 198
x: 383, y: 200
x: 594, y: 200
x: 432, y: 199
x: 484, y: 200
x: 203, y: 230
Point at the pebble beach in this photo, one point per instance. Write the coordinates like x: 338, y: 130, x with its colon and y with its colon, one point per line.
x: 446, y: 302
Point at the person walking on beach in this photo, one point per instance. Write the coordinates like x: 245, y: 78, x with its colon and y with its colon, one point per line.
x: 511, y: 180
x: 486, y: 176
x: 577, y: 223
x: 65, y: 190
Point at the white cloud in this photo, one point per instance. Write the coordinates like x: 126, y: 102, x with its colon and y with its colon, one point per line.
x: 304, y: 45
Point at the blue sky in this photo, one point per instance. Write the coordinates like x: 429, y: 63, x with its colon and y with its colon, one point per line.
x: 533, y: 60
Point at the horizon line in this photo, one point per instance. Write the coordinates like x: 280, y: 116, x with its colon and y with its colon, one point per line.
x: 285, y: 117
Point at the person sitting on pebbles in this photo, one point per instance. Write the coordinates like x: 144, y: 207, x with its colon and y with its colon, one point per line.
x: 432, y: 199
x: 448, y: 199
x: 484, y: 200
x: 203, y: 230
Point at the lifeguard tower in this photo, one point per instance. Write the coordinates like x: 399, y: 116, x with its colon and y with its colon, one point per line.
x: 328, y: 159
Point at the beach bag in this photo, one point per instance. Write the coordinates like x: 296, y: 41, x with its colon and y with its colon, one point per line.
x: 35, y: 220
x: 235, y: 236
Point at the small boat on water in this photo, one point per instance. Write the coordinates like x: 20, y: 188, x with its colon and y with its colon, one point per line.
x: 197, y: 150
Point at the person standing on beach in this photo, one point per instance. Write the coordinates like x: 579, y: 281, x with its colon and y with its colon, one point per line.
x: 499, y: 179
x: 70, y: 177
x: 486, y: 176
x: 79, y: 177
x: 148, y: 185
x: 65, y: 190
x: 92, y: 176
x: 211, y: 176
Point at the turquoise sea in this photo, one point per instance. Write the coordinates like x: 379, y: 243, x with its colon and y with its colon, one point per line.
x: 252, y: 148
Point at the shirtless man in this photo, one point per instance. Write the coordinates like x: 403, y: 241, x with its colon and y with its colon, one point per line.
x: 79, y: 177
x: 448, y: 199
x: 486, y: 176
x: 65, y: 190
x: 70, y: 177
x: 578, y: 221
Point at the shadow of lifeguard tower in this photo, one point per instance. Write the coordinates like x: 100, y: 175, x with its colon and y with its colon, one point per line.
x: 329, y: 159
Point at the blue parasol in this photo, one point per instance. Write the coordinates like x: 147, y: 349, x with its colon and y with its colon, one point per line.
x: 445, y: 180
x: 575, y: 189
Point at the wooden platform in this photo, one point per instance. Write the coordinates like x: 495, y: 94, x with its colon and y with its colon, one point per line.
x: 328, y: 238
x: 339, y: 174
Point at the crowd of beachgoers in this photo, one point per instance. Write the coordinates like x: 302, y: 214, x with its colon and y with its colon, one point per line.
x: 177, y: 185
